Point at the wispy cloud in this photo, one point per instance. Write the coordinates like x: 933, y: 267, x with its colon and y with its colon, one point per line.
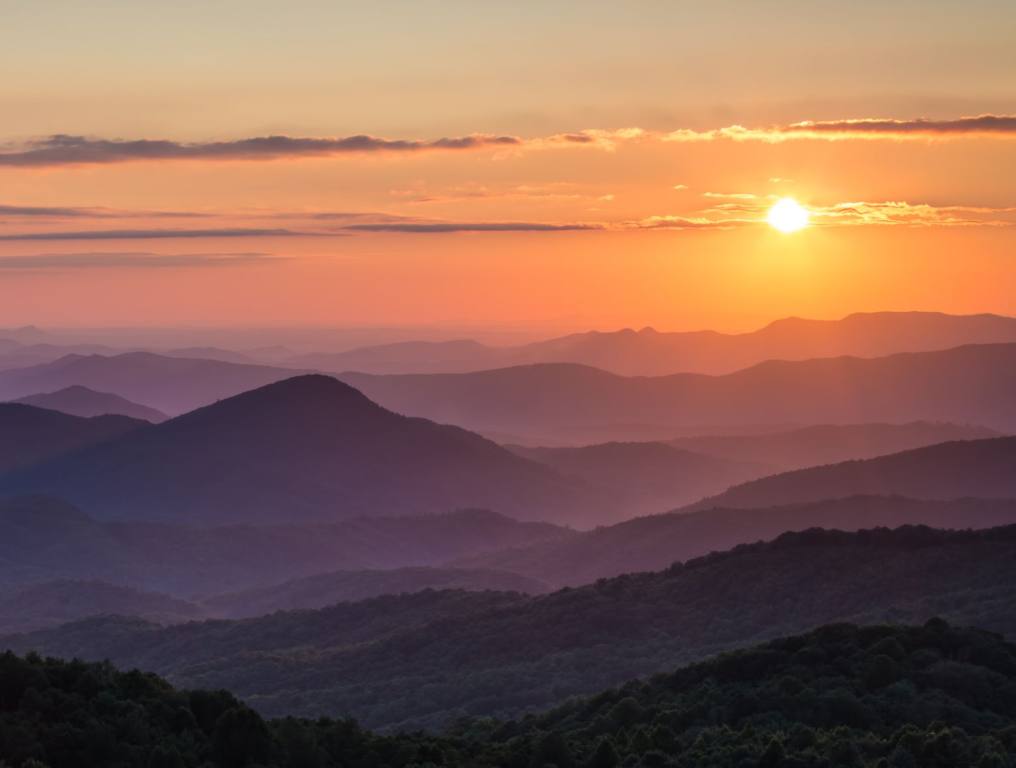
x: 421, y: 194
x: 131, y: 260
x: 153, y: 234
x: 731, y: 195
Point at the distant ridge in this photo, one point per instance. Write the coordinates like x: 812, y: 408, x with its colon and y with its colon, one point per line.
x: 172, y: 385
x: 82, y: 401
x: 648, y: 352
x: 964, y: 385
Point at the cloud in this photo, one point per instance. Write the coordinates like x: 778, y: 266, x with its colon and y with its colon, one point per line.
x: 730, y: 195
x: 153, y: 234
x: 131, y: 260
x: 420, y: 194
x: 71, y: 150
x: 858, y: 128
x: 75, y: 212
x: 686, y: 222
x: 441, y: 227
x: 62, y: 149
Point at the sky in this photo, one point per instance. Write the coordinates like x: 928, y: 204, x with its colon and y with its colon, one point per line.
x: 542, y: 165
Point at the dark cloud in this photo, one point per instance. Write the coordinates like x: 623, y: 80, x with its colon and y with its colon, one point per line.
x: 131, y: 260
x: 151, y: 234
x: 450, y: 226
x: 62, y: 149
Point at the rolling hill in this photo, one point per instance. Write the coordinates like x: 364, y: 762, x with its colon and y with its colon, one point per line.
x: 829, y: 443
x: 53, y: 603
x: 392, y: 662
x: 29, y: 435
x: 645, y: 478
x: 324, y: 589
x: 82, y: 401
x: 655, y: 542
x: 983, y: 469
x: 563, y: 402
x: 308, y: 448
x: 44, y: 540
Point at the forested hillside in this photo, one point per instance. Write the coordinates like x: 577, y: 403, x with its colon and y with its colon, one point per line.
x: 858, y: 697
x: 503, y: 654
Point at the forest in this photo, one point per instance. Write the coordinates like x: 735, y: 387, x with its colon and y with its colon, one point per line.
x: 842, y: 695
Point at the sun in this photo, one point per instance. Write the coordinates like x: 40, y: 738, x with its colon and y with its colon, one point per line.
x: 788, y: 215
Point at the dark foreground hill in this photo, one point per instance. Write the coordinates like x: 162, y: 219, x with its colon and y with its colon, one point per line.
x: 485, y: 658
x: 308, y: 448
x: 82, y: 401
x: 565, y: 402
x: 30, y: 435
x: 654, y: 542
x: 860, y: 697
x: 44, y: 540
x: 976, y: 468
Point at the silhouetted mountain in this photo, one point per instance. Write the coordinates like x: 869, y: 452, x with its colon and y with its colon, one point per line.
x: 656, y: 541
x: 645, y: 478
x: 966, y: 385
x: 29, y: 435
x: 842, y: 695
x: 309, y: 448
x: 648, y: 352
x: 82, y: 401
x: 326, y: 589
x: 45, y: 540
x: 52, y: 603
x: 983, y: 469
x: 172, y: 385
x: 487, y: 659
x: 829, y: 443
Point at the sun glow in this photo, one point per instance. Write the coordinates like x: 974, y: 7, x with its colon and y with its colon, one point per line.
x: 788, y: 215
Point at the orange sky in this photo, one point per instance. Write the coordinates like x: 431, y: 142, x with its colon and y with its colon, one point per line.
x: 567, y: 166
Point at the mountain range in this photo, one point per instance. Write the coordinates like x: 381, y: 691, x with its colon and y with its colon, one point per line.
x: 308, y: 448
x: 574, y: 403
x: 648, y: 352
x: 430, y: 657
x: 45, y: 540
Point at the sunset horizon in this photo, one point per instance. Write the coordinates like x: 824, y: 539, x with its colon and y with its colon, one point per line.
x: 453, y: 384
